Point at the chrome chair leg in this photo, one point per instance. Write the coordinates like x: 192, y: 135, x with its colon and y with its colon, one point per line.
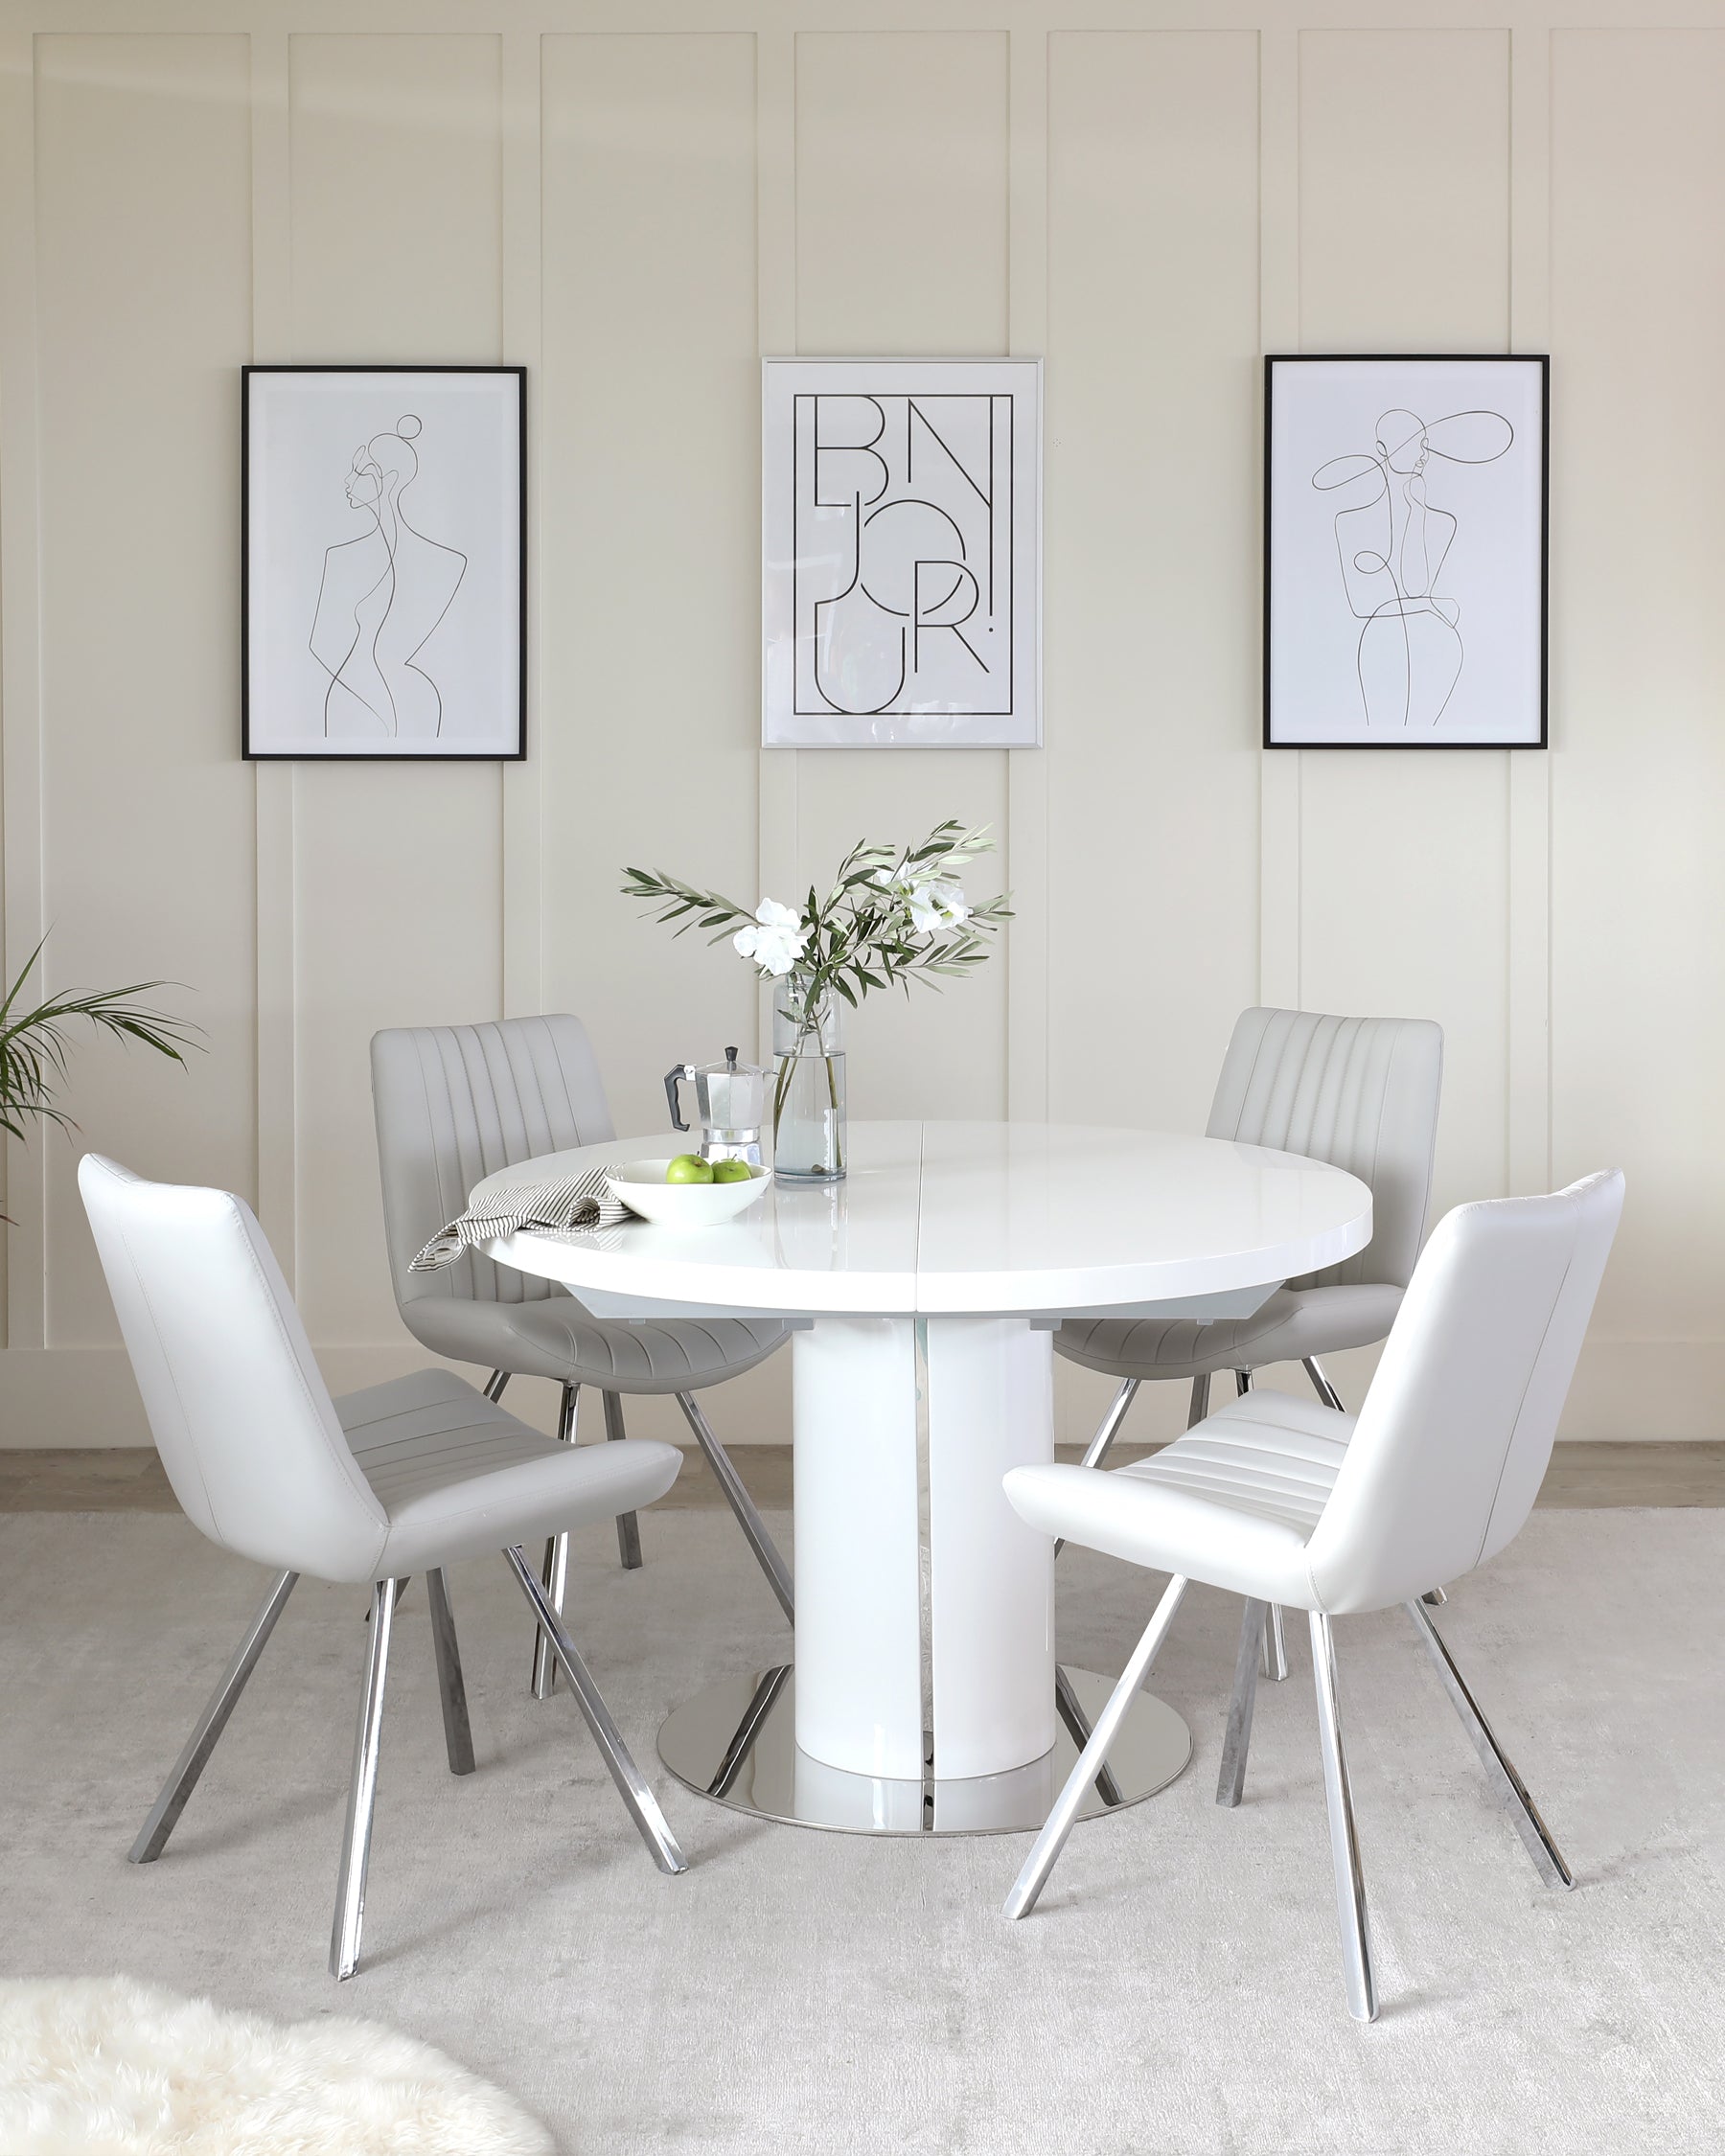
x: 206, y: 1734
x: 1100, y: 1445
x: 1236, y: 1737
x: 762, y: 1702
x: 1098, y: 1449
x: 1069, y: 1708
x: 1049, y: 1842
x: 452, y: 1691
x: 494, y: 1384
x: 643, y: 1807
x: 362, y: 1792
x: 1274, y: 1655
x: 628, y: 1527
x: 1345, y: 1847
x: 737, y: 1497
x: 1500, y: 1768
x: 401, y: 1588
x: 557, y: 1560
x: 1200, y: 1405
x: 1322, y: 1386
x: 1274, y: 1664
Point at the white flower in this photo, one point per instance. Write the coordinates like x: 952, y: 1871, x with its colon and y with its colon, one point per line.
x: 933, y: 902
x: 777, y: 943
x: 936, y: 905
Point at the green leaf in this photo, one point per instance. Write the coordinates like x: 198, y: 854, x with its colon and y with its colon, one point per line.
x: 34, y: 1044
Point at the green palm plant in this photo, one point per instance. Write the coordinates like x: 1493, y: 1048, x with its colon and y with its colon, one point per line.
x: 34, y: 1044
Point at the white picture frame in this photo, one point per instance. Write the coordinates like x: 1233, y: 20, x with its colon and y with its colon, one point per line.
x: 383, y: 564
x: 1405, y: 551
x: 901, y: 553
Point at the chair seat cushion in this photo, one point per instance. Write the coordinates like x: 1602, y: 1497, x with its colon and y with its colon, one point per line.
x: 458, y: 1475
x: 1233, y: 1503
x: 553, y: 1337
x: 1294, y: 1323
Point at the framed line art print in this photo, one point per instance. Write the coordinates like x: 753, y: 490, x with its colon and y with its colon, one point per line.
x: 901, y: 553
x: 382, y: 562
x: 1404, y: 552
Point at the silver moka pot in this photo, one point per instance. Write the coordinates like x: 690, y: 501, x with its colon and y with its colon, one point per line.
x: 730, y: 1106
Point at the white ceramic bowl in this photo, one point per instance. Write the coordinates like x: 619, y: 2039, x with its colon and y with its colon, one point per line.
x: 641, y: 1186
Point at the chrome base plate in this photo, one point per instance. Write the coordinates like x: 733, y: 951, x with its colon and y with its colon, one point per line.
x: 736, y: 1743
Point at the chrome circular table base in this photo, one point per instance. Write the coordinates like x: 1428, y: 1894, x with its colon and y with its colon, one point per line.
x: 736, y: 1743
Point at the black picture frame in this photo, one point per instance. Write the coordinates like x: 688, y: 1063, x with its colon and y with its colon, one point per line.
x: 513, y: 749
x: 1421, y: 741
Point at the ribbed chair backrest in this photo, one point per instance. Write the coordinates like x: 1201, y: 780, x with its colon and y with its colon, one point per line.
x: 1359, y: 1093
x: 237, y: 1405
x: 456, y: 1103
x: 1456, y: 1434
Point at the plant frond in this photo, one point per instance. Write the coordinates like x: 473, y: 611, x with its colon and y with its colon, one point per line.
x: 36, y: 1045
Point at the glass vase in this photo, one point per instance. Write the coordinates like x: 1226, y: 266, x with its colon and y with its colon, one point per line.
x: 808, y: 1094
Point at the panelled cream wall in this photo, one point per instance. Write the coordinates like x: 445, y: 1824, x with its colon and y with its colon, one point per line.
x: 636, y: 202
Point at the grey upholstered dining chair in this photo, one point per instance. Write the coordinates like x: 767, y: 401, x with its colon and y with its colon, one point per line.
x: 456, y: 1103
x: 402, y: 1478
x: 1281, y: 1500
x: 1359, y: 1093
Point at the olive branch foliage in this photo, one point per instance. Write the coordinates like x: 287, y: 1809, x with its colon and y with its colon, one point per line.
x: 862, y: 936
x: 860, y: 933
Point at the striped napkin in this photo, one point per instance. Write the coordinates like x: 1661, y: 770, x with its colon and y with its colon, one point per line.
x: 556, y: 1208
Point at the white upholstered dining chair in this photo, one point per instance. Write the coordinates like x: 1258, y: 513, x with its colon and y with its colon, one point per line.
x: 1283, y: 1500
x: 1359, y: 1093
x: 456, y: 1103
x: 402, y: 1478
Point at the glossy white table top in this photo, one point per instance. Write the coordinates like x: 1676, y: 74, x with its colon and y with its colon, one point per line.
x: 975, y: 1217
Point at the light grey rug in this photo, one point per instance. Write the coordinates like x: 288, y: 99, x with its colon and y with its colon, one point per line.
x: 1177, y: 1990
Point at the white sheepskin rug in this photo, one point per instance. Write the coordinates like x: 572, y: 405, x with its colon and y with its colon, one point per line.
x: 111, y: 2068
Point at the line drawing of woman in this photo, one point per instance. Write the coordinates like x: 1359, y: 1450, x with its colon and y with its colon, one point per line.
x: 1391, y: 544
x: 378, y: 600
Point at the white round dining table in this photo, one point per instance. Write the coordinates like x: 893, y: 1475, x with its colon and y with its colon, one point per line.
x: 926, y: 1287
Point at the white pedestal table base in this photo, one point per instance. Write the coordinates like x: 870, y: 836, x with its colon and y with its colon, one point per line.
x: 925, y: 1697
x: 736, y: 1744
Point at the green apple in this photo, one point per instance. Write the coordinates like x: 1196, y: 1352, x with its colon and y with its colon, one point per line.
x: 732, y: 1171
x: 689, y: 1167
